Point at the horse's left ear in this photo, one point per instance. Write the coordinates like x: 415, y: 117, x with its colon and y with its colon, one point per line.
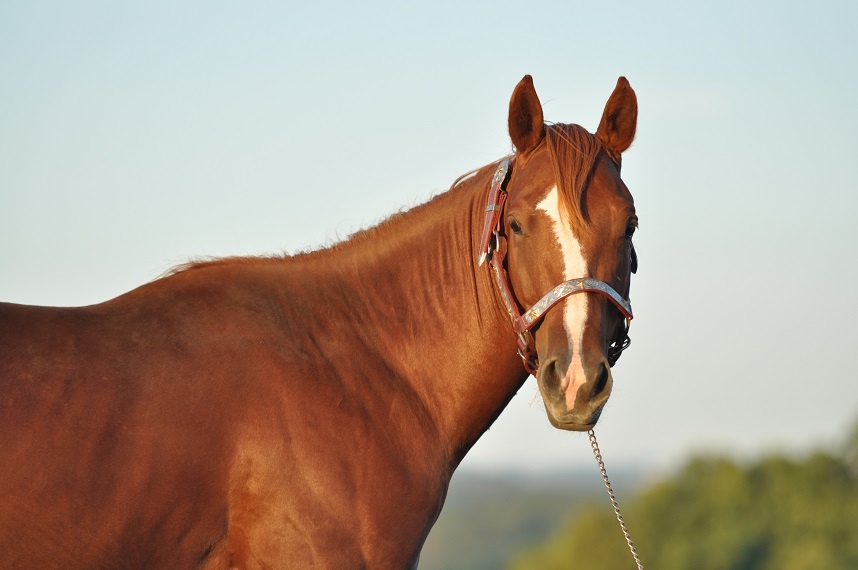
x: 620, y: 119
x: 526, y: 124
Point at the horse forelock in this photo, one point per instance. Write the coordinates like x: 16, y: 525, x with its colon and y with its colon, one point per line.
x: 574, y: 153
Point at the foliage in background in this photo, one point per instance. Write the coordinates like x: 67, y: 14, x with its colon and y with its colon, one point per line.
x: 777, y: 513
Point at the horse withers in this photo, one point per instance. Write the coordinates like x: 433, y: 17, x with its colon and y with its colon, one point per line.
x: 309, y: 410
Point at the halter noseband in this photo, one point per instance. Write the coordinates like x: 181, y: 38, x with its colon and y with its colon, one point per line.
x: 523, y: 322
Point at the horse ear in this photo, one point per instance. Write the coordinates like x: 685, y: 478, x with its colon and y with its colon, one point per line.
x: 619, y: 121
x: 526, y: 125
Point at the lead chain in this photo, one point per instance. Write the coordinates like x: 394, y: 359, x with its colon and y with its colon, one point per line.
x: 604, y: 473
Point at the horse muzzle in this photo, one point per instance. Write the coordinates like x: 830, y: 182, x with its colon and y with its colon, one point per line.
x: 574, y: 393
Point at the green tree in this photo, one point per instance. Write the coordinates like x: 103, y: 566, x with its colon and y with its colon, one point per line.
x: 850, y: 450
x: 777, y: 513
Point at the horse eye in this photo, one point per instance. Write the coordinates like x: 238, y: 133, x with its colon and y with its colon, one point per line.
x: 630, y: 231
x: 515, y: 227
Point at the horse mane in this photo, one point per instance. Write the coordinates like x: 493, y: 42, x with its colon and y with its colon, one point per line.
x: 481, y: 173
x: 574, y: 153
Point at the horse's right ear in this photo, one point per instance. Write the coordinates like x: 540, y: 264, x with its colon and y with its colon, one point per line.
x: 526, y: 125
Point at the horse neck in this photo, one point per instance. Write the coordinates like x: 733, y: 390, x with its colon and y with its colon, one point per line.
x: 431, y: 315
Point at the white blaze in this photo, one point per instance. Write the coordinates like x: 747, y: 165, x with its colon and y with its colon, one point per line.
x: 575, y: 306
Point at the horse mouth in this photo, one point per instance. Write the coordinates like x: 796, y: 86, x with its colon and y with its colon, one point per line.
x: 569, y: 422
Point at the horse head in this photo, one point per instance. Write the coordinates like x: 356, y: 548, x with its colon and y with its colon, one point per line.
x: 569, y: 219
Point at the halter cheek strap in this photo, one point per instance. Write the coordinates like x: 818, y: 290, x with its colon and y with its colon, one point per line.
x: 494, y: 208
x: 523, y: 322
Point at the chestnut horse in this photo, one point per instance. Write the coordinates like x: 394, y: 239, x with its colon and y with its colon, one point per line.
x: 309, y: 410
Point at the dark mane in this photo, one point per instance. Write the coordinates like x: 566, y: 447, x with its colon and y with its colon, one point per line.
x: 574, y: 153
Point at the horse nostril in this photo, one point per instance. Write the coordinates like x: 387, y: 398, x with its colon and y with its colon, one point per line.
x: 601, y: 380
x: 550, y: 377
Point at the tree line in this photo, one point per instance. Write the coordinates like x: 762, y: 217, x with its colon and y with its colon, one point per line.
x: 718, y: 513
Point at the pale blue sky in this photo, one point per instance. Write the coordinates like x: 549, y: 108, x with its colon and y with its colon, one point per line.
x: 136, y: 136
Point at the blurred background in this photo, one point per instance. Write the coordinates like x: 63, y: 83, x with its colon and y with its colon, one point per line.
x: 136, y: 136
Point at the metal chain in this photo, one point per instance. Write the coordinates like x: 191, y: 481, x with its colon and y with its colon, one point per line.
x: 604, y: 473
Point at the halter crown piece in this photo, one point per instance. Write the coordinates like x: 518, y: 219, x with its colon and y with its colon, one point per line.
x: 523, y: 322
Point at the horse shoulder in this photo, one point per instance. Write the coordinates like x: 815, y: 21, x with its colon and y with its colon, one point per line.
x: 315, y: 480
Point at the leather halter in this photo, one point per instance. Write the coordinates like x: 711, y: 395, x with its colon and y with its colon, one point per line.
x: 524, y: 322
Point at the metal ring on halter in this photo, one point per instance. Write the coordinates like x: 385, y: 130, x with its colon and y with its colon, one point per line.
x: 619, y: 344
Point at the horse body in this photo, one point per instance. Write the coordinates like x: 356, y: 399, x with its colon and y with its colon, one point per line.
x: 296, y: 412
x: 196, y: 405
